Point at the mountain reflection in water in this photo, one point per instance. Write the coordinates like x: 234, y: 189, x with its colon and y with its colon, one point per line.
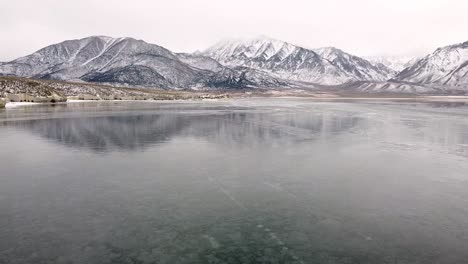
x: 237, y: 181
x: 135, y: 132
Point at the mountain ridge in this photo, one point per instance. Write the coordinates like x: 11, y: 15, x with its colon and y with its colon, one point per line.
x: 260, y: 62
x: 445, y: 66
x: 289, y: 61
x: 121, y: 61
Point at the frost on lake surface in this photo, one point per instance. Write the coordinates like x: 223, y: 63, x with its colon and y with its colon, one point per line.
x: 239, y: 181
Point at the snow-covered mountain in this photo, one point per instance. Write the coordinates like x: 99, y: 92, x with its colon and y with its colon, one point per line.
x: 200, y: 62
x: 395, y: 63
x: 446, y: 66
x: 287, y: 61
x: 127, y: 61
x: 252, y: 63
x: 105, y: 59
x: 356, y: 66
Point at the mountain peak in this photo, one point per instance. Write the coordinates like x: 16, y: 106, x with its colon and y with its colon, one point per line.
x: 327, y: 65
x: 329, y: 48
x: 330, y: 53
x: 260, y: 47
x: 103, y: 37
x: 255, y: 42
x: 447, y: 66
x: 251, y: 40
x: 463, y: 45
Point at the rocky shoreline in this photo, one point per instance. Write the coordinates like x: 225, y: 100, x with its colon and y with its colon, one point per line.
x: 13, y: 89
x: 25, y: 98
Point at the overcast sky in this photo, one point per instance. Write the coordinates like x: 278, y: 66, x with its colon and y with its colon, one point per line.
x: 361, y: 27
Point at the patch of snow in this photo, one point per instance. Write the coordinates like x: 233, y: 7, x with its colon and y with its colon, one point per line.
x: 18, y: 104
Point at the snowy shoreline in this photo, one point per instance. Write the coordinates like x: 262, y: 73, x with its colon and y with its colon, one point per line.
x: 18, y: 104
x: 417, y: 98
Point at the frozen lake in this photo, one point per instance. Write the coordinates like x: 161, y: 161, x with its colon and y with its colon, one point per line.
x: 237, y: 181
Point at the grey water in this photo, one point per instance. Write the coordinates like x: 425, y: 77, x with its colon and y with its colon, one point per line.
x: 235, y: 181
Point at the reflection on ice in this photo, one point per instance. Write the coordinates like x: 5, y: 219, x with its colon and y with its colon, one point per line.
x: 242, y: 181
x: 134, y: 132
x: 248, y: 124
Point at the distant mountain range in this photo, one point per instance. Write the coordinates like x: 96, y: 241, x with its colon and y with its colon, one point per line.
x: 131, y: 62
x: 395, y: 63
x: 283, y: 60
x: 235, y: 64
